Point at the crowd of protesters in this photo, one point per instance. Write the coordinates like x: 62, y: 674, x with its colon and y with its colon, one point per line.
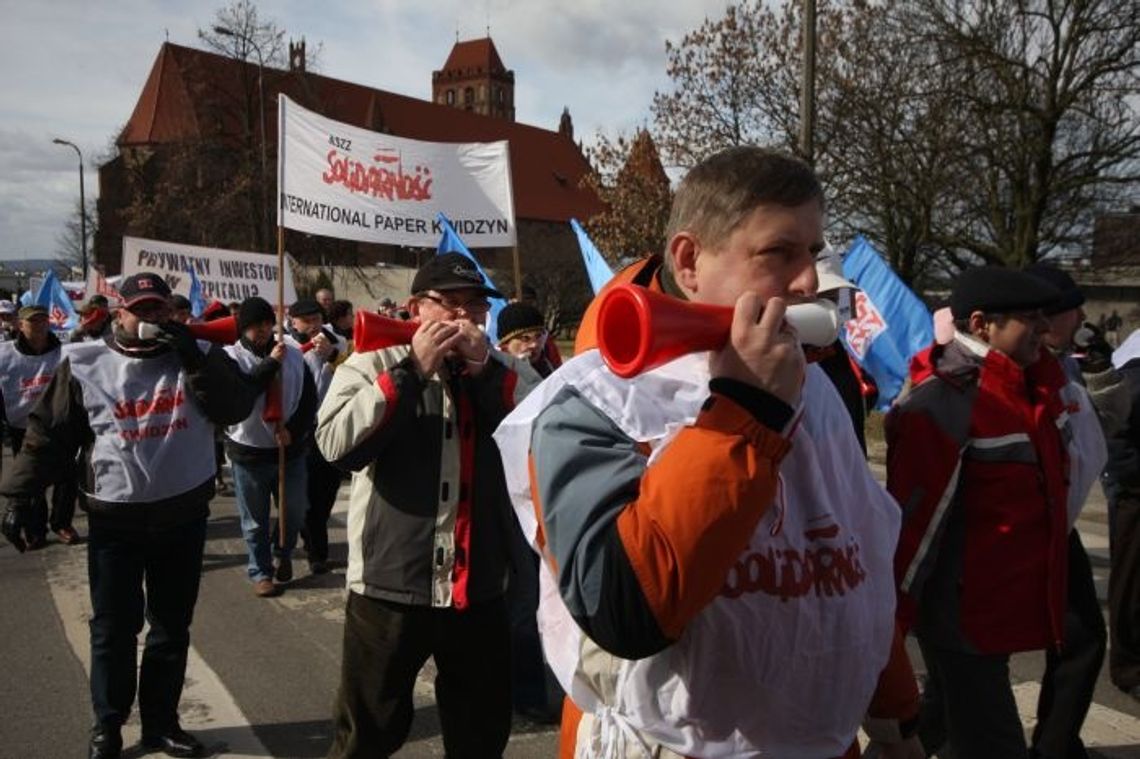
x: 697, y: 562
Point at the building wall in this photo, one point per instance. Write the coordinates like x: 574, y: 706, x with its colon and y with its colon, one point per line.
x: 487, y: 94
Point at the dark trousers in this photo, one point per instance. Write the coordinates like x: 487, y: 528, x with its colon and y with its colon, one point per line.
x: 536, y: 692
x: 324, y: 481
x: 968, y: 707
x: 386, y: 645
x: 1124, y: 586
x: 1070, y: 676
x: 63, y: 494
x: 136, y: 573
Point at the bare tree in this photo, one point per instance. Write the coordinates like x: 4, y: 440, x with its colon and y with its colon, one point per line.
x: 69, y: 242
x: 1052, y: 87
x: 246, y: 33
x: 721, y: 73
x: 950, y: 132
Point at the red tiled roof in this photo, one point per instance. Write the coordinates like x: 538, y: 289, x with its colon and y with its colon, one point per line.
x: 474, y: 55
x: 190, y: 94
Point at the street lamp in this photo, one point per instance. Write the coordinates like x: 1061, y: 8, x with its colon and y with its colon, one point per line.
x: 82, y: 203
x: 227, y: 32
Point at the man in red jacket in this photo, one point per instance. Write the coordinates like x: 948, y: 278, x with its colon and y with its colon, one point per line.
x: 977, y: 460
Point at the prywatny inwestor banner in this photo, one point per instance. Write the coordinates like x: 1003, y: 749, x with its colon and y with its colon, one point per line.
x: 226, y: 275
x: 342, y: 181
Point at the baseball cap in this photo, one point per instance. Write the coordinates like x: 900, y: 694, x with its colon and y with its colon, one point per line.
x: 142, y: 287
x: 451, y: 271
x: 7, y: 307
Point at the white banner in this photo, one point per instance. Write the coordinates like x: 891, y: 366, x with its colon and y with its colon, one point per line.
x: 226, y: 275
x: 342, y: 181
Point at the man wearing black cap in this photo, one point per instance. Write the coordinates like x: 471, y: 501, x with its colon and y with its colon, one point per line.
x: 428, y: 522
x: 252, y: 445
x: 325, y: 349
x: 977, y: 458
x: 27, y: 365
x: 140, y: 409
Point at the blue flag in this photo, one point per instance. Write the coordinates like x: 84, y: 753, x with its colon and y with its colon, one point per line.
x: 52, y: 296
x: 450, y: 243
x: 197, y: 300
x: 889, y: 323
x: 597, y: 269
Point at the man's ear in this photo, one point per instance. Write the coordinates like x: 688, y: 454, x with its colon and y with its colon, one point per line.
x: 413, y: 307
x: 977, y: 324
x: 683, y: 251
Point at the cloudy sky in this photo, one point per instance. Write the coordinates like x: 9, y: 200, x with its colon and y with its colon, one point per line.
x: 74, y: 68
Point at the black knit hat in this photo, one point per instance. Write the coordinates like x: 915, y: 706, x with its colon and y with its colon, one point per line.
x: 306, y: 307
x: 254, y: 310
x: 996, y: 290
x: 516, y: 318
x: 451, y: 271
x: 1071, y: 295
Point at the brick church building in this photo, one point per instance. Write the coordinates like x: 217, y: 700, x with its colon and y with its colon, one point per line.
x: 192, y: 166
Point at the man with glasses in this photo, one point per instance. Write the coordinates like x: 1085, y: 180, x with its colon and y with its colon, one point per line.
x: 978, y: 460
x: 140, y: 407
x: 428, y: 523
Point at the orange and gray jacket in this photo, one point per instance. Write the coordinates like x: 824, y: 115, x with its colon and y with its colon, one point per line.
x: 428, y: 516
x: 977, y: 460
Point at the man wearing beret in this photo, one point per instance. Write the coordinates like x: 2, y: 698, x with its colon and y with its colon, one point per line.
x: 428, y: 522
x: 139, y: 408
x: 978, y: 460
x: 326, y: 349
x: 27, y: 365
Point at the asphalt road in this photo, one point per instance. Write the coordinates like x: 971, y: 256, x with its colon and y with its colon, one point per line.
x: 263, y: 672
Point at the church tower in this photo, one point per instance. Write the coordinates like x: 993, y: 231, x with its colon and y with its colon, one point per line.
x: 475, y: 79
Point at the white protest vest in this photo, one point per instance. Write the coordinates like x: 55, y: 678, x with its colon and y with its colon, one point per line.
x: 1088, y: 451
x: 785, y: 661
x: 151, y: 440
x: 255, y: 431
x: 320, y: 369
x: 23, y: 380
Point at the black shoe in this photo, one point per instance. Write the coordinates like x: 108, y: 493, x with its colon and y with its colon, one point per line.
x: 284, y: 571
x: 175, y: 742
x: 318, y: 567
x: 106, y: 743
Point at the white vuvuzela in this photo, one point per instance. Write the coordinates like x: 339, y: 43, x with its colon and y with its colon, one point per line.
x: 816, y: 323
x: 148, y: 331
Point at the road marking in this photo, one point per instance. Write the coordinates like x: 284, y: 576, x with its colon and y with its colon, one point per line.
x: 206, y: 703
x: 1113, y: 734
